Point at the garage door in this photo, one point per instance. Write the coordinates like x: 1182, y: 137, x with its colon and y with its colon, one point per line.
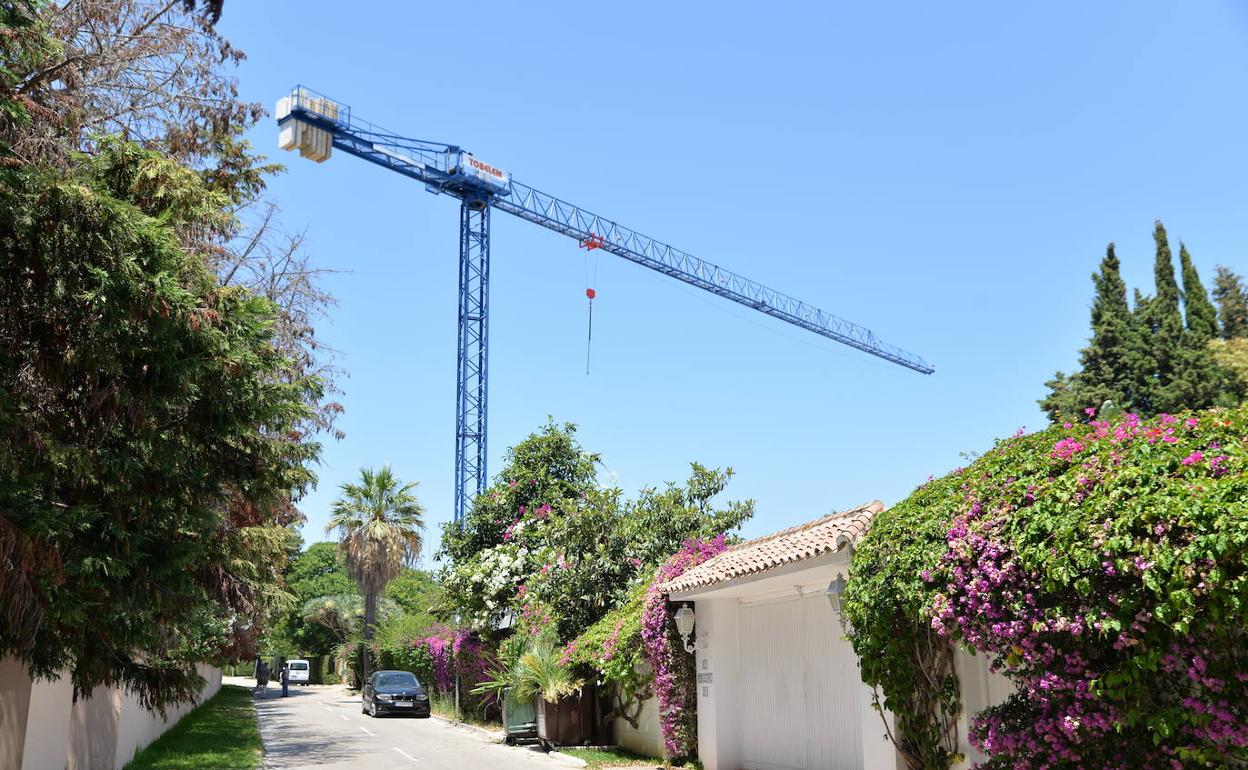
x: 801, y: 688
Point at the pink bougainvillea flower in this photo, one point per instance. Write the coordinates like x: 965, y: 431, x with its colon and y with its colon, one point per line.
x: 1066, y: 448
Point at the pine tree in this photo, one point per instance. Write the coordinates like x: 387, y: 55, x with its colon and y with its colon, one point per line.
x: 1232, y: 299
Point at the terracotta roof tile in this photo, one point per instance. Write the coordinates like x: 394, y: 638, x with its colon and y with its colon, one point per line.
x: 787, y: 546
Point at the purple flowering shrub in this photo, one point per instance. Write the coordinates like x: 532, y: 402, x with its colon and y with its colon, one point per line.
x: 675, y: 679
x: 1103, y: 568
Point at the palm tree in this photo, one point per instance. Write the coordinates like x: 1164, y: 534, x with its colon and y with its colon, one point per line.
x: 380, y: 527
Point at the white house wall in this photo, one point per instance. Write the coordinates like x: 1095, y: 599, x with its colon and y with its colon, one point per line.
x: 722, y: 704
x: 779, y: 685
x: 803, y: 710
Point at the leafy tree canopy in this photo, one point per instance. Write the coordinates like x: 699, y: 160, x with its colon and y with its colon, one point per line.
x: 309, y: 575
x: 149, y: 454
x: 548, y: 545
x: 160, y: 379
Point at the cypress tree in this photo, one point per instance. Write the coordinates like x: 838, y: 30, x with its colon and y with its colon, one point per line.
x: 1144, y: 369
x: 1232, y: 299
x: 1144, y: 357
x: 1202, y: 317
x: 1163, y: 322
x: 1108, y: 364
x: 1198, y: 381
x: 1166, y: 305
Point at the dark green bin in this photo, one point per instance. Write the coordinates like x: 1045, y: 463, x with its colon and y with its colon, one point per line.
x: 519, y: 718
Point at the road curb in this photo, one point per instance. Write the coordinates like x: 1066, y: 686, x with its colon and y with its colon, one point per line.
x: 491, y: 735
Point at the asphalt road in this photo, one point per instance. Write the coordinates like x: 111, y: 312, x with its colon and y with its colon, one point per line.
x: 322, y: 728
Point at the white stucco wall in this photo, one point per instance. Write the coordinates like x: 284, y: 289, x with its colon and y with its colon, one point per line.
x: 42, y: 728
x: 645, y: 739
x: 138, y: 727
x: 47, y: 726
x: 14, y: 703
x: 779, y: 684
x: 981, y: 688
x: 720, y: 707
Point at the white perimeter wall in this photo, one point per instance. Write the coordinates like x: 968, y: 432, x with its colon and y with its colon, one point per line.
x: 645, y: 739
x: 981, y: 688
x: 41, y: 728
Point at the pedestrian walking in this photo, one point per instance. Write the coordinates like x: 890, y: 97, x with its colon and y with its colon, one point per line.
x: 262, y: 679
x: 285, y: 679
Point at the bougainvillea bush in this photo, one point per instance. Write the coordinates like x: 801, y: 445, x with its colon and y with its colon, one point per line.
x: 440, y: 655
x: 675, y: 679
x: 1102, y: 567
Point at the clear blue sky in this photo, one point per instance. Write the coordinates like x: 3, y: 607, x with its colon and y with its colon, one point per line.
x: 946, y: 174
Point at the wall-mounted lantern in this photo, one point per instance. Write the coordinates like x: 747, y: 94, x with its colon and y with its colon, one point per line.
x: 685, y: 620
x: 836, y: 593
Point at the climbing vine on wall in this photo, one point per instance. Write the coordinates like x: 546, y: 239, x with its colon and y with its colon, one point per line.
x: 675, y: 682
x: 1102, y: 567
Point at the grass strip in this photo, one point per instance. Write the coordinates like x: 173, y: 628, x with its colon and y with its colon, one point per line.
x: 614, y: 757
x: 220, y: 734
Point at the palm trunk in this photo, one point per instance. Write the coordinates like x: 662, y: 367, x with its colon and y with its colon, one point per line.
x: 370, y: 618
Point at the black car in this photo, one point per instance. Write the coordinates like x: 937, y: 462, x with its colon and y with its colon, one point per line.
x: 395, y: 692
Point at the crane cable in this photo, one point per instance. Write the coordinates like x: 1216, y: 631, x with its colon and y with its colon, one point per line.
x: 589, y: 244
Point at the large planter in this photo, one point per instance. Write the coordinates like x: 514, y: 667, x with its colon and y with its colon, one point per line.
x: 569, y: 721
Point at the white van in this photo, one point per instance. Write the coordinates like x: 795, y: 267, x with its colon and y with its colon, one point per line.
x: 298, y: 671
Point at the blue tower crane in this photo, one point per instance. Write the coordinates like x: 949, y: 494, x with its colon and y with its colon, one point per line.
x: 314, y: 124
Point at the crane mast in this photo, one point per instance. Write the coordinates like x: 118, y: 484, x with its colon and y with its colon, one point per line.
x: 314, y: 125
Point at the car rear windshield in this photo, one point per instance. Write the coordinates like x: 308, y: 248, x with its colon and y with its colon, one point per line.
x: 397, y: 680
x: 298, y: 666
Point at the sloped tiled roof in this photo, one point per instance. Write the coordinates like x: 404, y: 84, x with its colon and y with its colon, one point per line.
x: 787, y: 546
